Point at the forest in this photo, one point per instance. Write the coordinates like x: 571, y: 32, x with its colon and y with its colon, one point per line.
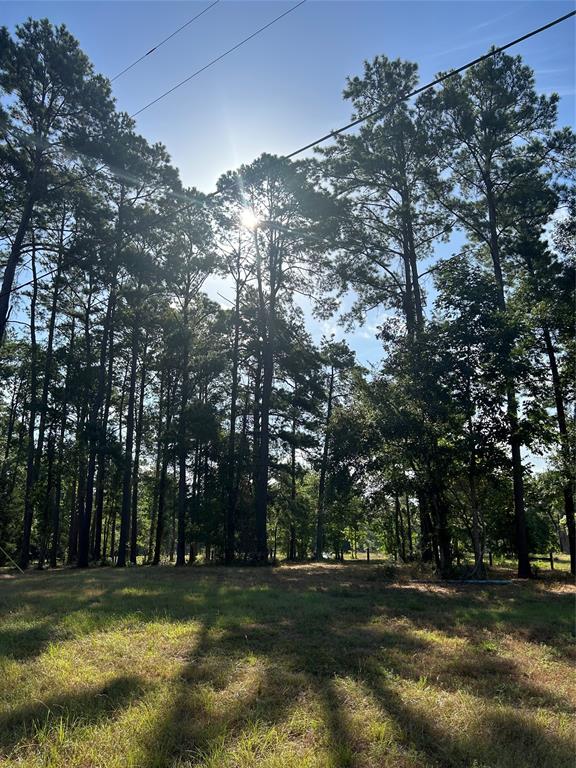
x: 144, y: 423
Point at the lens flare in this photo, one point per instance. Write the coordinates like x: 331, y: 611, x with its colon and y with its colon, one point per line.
x: 249, y: 219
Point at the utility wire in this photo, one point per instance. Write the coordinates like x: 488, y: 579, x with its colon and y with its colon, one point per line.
x: 101, y: 167
x: 358, y: 121
x: 437, y: 81
x: 161, y: 43
x: 218, y: 58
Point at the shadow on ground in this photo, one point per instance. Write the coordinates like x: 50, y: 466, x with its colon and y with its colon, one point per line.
x: 331, y: 637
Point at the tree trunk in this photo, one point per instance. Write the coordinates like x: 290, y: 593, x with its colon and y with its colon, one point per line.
x: 160, y: 523
x: 524, y: 570
x: 78, y: 475
x: 48, y: 502
x: 182, y: 484
x: 129, y: 443
x: 323, y: 471
x: 84, y: 508
x: 30, y: 468
x: 80, y: 496
x: 159, y: 443
x: 426, y: 545
x: 113, y: 530
x: 568, y: 487
x: 12, y: 414
x: 64, y: 418
x: 292, y: 541
x: 409, y: 523
x: 261, y: 497
x: 399, y: 526
x: 479, y: 571
x: 49, y: 355
x: 96, y: 439
x: 135, y: 479
x: 414, y: 305
x: 102, y: 457
x: 7, y: 482
x: 174, y: 507
x: 14, y: 258
x: 442, y: 531
x: 231, y: 500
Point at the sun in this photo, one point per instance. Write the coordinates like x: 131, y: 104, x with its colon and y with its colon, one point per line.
x: 249, y: 219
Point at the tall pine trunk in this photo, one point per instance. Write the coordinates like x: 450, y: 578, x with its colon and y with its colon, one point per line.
x: 231, y: 490
x: 159, y: 443
x: 48, y: 359
x: 30, y: 465
x: 568, y: 486
x: 136, y: 470
x: 96, y: 437
x: 163, y: 482
x: 182, y: 498
x: 102, y: 446
x: 409, y: 525
x: 323, y: 471
x: 60, y: 461
x: 261, y: 490
x: 524, y: 570
x: 128, y: 448
x: 16, y: 247
x: 292, y: 533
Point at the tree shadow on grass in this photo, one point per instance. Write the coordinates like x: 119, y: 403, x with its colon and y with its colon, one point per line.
x: 25, y: 642
x: 102, y: 599
x: 493, y: 677
x: 263, y: 643
x: 259, y: 670
x: 308, y: 651
x: 85, y: 707
x: 217, y: 695
x: 477, y: 739
x: 497, y: 737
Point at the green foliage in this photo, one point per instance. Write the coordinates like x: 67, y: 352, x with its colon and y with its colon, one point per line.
x: 140, y: 419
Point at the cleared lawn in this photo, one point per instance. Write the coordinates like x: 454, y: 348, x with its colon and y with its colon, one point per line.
x: 297, y: 666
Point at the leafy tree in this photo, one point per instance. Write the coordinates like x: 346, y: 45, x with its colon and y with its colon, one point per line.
x: 140, y: 418
x: 57, y: 112
x: 489, y: 129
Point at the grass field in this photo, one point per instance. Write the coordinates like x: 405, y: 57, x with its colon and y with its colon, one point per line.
x: 291, y: 667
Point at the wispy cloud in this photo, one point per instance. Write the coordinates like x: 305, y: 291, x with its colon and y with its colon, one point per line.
x: 562, y: 90
x: 463, y: 47
x: 553, y: 71
x: 492, y: 22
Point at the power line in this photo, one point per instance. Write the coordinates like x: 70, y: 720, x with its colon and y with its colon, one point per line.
x: 161, y: 43
x: 101, y: 167
x: 358, y: 121
x: 218, y: 58
x: 437, y: 81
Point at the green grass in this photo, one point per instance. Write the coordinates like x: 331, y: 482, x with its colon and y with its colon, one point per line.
x: 291, y: 667
x: 540, y: 562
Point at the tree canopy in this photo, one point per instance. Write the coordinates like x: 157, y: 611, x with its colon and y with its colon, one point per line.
x: 142, y: 421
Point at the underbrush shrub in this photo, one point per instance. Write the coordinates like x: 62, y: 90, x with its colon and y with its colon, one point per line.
x: 386, y: 571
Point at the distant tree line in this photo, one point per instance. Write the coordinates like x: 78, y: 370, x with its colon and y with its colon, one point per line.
x: 140, y: 421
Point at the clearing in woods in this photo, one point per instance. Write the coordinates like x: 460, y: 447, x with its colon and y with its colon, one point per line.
x: 293, y: 667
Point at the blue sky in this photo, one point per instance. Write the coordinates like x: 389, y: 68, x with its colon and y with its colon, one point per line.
x: 283, y: 88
